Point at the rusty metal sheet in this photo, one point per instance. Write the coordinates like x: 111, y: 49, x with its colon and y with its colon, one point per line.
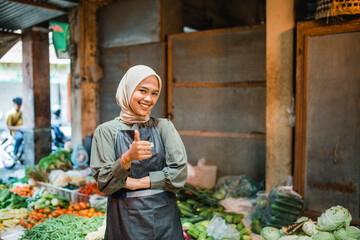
x: 333, y: 123
x: 232, y: 156
x: 151, y: 55
x: 129, y: 22
x: 223, y: 57
x: 220, y: 109
x: 113, y: 62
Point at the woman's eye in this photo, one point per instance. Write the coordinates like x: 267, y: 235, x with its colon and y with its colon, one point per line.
x: 155, y: 93
x: 142, y: 90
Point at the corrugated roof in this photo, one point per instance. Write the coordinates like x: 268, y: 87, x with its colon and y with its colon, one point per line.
x: 21, y: 14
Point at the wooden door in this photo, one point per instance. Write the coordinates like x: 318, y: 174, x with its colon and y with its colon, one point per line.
x: 327, y: 137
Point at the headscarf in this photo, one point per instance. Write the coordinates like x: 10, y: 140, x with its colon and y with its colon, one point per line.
x: 126, y: 87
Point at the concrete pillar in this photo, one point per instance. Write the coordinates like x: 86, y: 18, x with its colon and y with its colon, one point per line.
x: 36, y: 94
x: 280, y: 24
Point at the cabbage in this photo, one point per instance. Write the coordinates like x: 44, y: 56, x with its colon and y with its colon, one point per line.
x: 309, y: 228
x: 323, y: 236
x: 334, y: 218
x: 353, y: 232
x: 270, y: 233
x: 303, y: 238
x: 340, y: 234
x: 290, y: 237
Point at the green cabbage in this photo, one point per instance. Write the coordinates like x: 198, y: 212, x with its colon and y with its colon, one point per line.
x: 340, y: 234
x: 334, y: 218
x: 323, y: 236
x: 309, y: 228
x: 290, y: 237
x: 270, y: 233
x: 303, y: 238
x: 353, y: 232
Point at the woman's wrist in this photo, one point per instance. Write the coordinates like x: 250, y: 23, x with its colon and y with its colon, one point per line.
x: 125, y: 161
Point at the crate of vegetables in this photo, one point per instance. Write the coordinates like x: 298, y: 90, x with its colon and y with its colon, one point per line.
x: 73, y: 195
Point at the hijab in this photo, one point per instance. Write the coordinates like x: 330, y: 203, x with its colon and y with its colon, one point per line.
x: 132, y: 78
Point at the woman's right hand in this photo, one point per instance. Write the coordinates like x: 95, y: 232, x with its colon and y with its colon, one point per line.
x: 139, y: 150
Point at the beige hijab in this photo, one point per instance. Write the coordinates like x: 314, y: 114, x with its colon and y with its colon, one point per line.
x: 126, y: 87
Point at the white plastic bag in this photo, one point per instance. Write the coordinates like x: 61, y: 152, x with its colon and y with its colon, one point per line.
x: 219, y: 229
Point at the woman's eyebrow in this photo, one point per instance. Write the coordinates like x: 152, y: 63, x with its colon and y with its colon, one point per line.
x: 142, y: 87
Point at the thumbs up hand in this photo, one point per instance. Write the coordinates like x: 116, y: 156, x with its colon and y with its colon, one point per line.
x: 139, y: 150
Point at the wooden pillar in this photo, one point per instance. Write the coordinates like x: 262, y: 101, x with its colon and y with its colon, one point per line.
x: 280, y: 24
x: 36, y: 94
x: 84, y: 90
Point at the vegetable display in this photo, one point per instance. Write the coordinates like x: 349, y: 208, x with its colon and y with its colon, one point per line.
x: 333, y: 224
x: 60, y: 159
x: 65, y: 227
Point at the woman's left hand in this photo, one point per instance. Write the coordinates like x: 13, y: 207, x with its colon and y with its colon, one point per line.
x: 133, y: 183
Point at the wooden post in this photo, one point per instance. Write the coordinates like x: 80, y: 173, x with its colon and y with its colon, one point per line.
x: 84, y: 90
x: 36, y: 94
x: 280, y: 24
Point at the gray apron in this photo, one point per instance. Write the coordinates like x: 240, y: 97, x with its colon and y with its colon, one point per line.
x: 143, y: 214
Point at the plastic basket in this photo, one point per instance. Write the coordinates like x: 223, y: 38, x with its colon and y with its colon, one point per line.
x: 73, y: 195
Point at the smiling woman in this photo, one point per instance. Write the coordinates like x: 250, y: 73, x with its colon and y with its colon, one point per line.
x: 145, y: 96
x: 140, y: 162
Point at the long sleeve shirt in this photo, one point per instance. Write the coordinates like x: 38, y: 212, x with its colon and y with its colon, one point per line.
x: 111, y: 176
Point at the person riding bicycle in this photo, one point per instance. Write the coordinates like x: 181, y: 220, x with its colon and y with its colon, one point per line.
x: 14, y: 121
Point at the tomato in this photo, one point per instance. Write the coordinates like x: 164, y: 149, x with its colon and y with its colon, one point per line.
x: 55, y: 214
x: 22, y: 222
x: 90, y: 214
x: 71, y: 208
x: 82, y: 205
x: 77, y: 207
x: 47, y: 210
x: 37, y: 217
x: 28, y: 226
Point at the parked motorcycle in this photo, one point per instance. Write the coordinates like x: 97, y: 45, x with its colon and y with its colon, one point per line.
x: 7, y: 143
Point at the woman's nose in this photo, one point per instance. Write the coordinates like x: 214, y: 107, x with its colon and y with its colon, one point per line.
x: 147, y: 97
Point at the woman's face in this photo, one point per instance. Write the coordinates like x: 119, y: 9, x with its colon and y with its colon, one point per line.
x: 145, y: 96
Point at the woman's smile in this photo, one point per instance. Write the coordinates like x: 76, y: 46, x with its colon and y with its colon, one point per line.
x: 145, y: 96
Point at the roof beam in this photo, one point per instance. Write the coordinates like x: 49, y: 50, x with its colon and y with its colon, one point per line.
x: 40, y: 5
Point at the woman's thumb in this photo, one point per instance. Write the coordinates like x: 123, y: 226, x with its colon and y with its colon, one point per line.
x: 136, y: 135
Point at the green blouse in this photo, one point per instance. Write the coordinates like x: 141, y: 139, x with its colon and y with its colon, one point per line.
x: 111, y: 176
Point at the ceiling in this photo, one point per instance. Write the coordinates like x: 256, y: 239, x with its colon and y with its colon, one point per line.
x: 21, y: 14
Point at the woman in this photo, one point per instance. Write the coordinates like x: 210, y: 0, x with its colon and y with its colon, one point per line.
x: 140, y: 162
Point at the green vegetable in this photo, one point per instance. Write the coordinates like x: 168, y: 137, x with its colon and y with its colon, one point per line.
x: 303, y: 238
x: 4, y: 194
x: 353, y: 232
x: 309, y: 228
x: 191, y: 230
x: 245, y: 231
x: 64, y: 203
x: 288, y: 237
x: 256, y: 226
x: 229, y: 219
x: 65, y: 227
x: 202, y: 235
x: 200, y: 228
x: 204, y: 223
x: 209, y: 238
x: 240, y: 226
x: 334, y: 218
x: 270, y: 233
x: 246, y: 237
x: 323, y: 236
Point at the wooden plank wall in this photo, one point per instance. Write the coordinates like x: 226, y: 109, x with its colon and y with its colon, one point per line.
x: 216, y: 97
